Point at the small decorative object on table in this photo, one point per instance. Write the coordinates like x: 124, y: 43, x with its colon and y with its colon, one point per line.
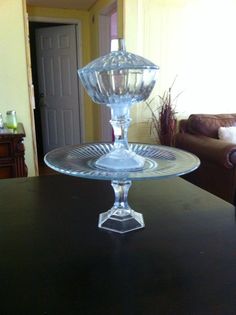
x: 119, y: 80
x: 11, y: 120
x: 1, y: 121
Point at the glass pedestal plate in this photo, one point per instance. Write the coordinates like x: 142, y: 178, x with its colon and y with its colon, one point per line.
x: 119, y: 80
x: 159, y: 162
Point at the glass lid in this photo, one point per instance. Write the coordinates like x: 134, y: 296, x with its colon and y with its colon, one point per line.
x: 119, y: 58
x: 119, y: 77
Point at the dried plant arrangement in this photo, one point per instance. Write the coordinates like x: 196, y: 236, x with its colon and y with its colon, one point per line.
x: 163, y: 122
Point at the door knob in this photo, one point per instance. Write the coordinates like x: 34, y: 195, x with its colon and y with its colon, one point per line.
x: 41, y: 100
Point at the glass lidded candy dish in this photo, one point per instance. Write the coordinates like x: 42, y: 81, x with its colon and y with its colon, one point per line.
x: 119, y: 80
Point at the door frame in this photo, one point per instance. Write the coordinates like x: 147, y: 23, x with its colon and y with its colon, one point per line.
x: 77, y: 24
x: 104, y: 46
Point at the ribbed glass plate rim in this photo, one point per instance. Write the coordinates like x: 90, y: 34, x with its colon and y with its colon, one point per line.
x: 161, y: 161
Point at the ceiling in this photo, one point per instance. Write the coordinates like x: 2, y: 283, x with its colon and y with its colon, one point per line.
x: 65, y: 4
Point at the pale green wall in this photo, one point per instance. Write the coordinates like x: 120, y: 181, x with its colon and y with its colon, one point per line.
x: 13, y: 71
x: 193, y: 39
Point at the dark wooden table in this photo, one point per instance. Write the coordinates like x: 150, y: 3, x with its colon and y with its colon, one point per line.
x: 55, y: 261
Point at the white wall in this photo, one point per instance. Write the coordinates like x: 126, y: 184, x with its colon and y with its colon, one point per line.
x: 193, y: 39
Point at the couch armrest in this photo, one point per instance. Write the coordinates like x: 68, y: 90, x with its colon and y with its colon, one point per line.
x: 206, y: 148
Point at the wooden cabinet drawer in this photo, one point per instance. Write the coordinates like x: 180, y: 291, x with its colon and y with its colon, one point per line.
x: 5, y: 149
x: 7, y: 171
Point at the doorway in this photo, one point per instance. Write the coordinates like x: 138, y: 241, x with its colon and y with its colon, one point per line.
x: 50, y: 121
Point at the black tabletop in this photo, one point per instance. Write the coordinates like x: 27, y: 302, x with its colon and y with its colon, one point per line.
x: 54, y: 260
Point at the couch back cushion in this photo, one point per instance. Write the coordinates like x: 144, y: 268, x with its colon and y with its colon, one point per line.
x: 208, y: 125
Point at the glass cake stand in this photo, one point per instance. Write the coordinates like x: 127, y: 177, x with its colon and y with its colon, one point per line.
x: 160, y: 162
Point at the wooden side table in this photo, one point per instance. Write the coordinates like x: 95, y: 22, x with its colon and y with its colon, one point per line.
x: 12, y: 153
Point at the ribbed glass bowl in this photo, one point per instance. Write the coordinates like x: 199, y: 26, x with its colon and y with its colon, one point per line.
x: 119, y: 77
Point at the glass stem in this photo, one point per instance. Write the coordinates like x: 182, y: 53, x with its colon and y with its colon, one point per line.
x: 120, y: 121
x: 121, y: 190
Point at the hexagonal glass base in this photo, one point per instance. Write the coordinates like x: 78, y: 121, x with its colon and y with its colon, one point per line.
x: 121, y: 218
x: 117, y: 221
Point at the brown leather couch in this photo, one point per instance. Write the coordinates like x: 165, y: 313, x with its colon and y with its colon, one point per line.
x: 217, y: 173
